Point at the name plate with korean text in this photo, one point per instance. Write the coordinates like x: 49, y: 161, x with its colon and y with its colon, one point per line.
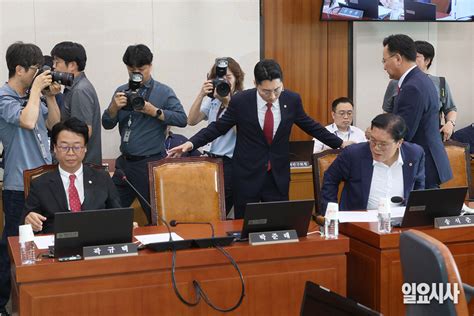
x: 273, y: 237
x: 110, y: 251
x: 454, y: 221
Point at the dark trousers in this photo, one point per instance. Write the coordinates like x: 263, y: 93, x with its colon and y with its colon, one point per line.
x: 268, y: 193
x: 137, y: 173
x: 432, y: 180
x: 229, y: 198
x: 13, y: 204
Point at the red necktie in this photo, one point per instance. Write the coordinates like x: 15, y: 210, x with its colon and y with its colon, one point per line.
x: 268, y: 128
x: 74, y: 201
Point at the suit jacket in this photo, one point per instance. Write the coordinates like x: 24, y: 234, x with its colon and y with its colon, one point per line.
x: 47, y: 195
x: 252, y: 152
x: 354, y: 166
x: 417, y: 103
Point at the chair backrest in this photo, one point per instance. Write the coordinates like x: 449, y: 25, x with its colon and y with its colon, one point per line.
x: 187, y: 189
x: 321, y: 162
x: 427, y: 260
x: 30, y: 174
x: 97, y: 167
x: 460, y: 162
x: 441, y: 5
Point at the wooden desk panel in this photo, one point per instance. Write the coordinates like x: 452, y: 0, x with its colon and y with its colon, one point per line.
x: 301, y: 184
x: 374, y: 273
x: 141, y: 285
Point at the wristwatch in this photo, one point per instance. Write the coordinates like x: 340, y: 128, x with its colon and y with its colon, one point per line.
x: 158, y: 113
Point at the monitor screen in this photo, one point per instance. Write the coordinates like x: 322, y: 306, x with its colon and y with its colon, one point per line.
x: 397, y: 10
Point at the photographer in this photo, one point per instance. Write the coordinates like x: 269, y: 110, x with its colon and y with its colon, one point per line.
x: 210, y: 105
x: 24, y: 119
x: 143, y: 109
x: 80, y: 99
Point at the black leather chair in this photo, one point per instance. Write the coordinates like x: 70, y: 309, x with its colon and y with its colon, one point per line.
x: 427, y: 260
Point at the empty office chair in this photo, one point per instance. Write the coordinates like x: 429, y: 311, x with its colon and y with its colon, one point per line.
x: 321, y: 162
x: 460, y: 162
x: 187, y: 189
x: 30, y: 174
x: 427, y: 260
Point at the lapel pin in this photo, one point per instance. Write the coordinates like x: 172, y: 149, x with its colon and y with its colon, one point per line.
x: 410, y: 164
x: 90, y: 182
x: 284, y: 106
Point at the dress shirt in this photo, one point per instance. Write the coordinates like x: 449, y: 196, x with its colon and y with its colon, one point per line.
x: 400, y: 81
x: 262, y: 109
x: 79, y: 183
x: 353, y: 134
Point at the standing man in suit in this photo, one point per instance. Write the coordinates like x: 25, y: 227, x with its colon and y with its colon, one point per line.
x: 382, y: 168
x: 417, y: 103
x: 72, y: 187
x: 264, y: 117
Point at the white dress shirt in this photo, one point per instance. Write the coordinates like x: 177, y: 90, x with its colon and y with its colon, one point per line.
x: 387, y: 182
x: 400, y: 81
x: 353, y: 134
x: 262, y: 109
x: 79, y: 183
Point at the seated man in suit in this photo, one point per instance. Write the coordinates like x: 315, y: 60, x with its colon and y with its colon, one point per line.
x: 72, y: 186
x: 342, y: 113
x: 383, y: 167
x: 466, y: 135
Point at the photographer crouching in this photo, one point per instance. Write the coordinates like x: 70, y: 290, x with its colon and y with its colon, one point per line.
x: 27, y: 109
x: 143, y: 109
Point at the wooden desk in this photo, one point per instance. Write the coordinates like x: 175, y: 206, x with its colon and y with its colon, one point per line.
x: 141, y: 285
x: 301, y: 183
x: 374, y: 275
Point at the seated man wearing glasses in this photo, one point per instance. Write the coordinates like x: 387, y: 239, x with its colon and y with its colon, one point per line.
x: 384, y: 167
x: 342, y: 111
x: 72, y: 187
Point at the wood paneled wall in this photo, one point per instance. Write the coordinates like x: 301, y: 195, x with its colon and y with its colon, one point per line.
x: 314, y: 55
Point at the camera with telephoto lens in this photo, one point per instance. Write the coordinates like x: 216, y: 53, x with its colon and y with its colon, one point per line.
x: 135, y: 102
x: 220, y: 83
x: 64, y: 78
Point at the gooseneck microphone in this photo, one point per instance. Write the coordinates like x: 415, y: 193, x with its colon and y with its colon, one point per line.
x: 123, y: 177
x: 175, y: 223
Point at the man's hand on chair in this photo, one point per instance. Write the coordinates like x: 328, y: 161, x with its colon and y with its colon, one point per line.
x: 179, y: 150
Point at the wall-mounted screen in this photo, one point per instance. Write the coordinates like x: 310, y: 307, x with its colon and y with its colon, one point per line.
x: 397, y: 10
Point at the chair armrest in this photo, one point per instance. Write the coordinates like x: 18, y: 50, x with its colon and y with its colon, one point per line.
x: 468, y: 291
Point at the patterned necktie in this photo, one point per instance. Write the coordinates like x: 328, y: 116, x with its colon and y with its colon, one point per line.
x: 268, y: 128
x: 74, y: 201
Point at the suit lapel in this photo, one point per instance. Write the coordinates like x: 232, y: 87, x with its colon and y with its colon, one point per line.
x: 254, y: 115
x: 408, y: 170
x: 367, y: 171
x: 283, y: 114
x: 89, y: 181
x: 57, y: 190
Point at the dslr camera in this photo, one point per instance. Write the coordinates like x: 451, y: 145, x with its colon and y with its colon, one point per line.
x: 135, y: 102
x: 63, y: 78
x: 220, y: 84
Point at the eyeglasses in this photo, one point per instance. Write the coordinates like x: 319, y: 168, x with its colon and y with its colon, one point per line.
x: 75, y: 149
x: 344, y: 113
x: 381, y: 145
x: 385, y: 60
x: 268, y: 93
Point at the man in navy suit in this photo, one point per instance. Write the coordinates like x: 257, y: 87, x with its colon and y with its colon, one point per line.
x: 383, y: 167
x: 417, y: 103
x: 72, y: 186
x: 264, y: 117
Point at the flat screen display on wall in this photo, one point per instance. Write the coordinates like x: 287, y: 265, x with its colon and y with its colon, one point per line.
x: 397, y: 10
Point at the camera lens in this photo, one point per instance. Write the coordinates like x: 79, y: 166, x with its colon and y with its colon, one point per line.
x: 137, y: 102
x: 223, y: 88
x: 63, y: 78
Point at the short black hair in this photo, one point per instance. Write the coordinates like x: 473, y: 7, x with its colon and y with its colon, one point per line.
x: 70, y: 52
x: 137, y: 56
x: 401, y: 44
x: 426, y: 49
x: 267, y: 69
x: 336, y: 102
x: 392, y: 123
x: 24, y: 55
x: 72, y: 124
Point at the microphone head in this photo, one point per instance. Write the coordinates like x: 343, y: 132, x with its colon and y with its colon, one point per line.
x: 173, y: 223
x: 396, y: 199
x: 121, y: 174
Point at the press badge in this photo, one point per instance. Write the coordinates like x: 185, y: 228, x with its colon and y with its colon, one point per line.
x: 126, y: 136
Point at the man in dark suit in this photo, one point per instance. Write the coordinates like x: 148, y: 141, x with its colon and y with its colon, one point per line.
x: 264, y: 117
x: 382, y: 168
x: 73, y: 186
x: 417, y: 103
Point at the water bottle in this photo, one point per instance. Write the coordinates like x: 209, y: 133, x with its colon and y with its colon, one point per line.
x: 27, y: 245
x: 384, y: 224
x: 331, y: 224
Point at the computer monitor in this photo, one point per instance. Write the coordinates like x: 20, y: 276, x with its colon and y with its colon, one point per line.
x: 318, y: 300
x: 370, y: 7
x: 278, y: 215
x: 419, y: 11
x: 73, y: 231
x: 423, y: 206
x: 301, y: 150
